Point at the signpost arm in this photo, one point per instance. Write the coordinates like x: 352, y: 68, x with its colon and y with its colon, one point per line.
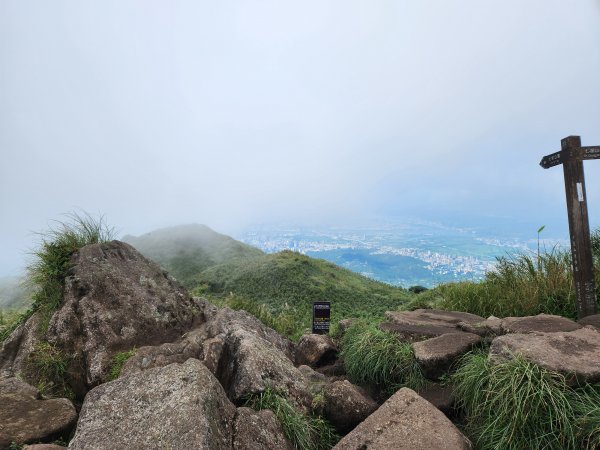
x: 579, y: 228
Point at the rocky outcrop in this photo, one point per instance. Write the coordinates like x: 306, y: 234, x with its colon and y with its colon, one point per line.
x: 176, y: 406
x: 258, y: 430
x: 18, y: 346
x: 422, y: 324
x: 346, y: 405
x: 405, y: 421
x: 26, y: 417
x: 437, y: 355
x: 315, y: 350
x: 573, y: 354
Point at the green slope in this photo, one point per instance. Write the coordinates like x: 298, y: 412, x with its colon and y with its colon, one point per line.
x: 187, y: 250
x: 290, y: 282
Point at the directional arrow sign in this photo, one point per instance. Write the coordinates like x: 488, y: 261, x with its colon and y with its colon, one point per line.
x: 552, y: 160
x: 590, y: 153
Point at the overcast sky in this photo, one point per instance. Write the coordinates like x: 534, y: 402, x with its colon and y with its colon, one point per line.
x: 232, y: 113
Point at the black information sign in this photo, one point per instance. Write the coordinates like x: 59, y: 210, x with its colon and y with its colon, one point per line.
x: 321, y: 317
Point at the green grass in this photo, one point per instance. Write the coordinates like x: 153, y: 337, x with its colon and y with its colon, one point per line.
x: 521, y: 285
x: 118, y: 361
x: 378, y: 358
x: 304, y: 432
x: 515, y: 405
x: 289, y: 281
x: 46, y: 367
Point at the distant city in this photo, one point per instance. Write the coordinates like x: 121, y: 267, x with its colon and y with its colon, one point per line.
x: 404, y: 254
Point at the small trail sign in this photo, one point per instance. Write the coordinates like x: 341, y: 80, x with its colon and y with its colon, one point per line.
x: 571, y: 157
x: 321, y: 317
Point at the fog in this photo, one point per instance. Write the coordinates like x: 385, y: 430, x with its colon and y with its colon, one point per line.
x: 234, y: 113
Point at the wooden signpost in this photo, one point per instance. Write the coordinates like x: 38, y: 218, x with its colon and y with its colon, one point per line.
x: 571, y: 157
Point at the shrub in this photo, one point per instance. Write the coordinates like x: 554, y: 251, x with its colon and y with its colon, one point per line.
x: 376, y: 357
x: 305, y: 432
x: 514, y: 405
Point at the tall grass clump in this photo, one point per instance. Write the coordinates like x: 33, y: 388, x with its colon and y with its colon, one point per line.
x: 515, y: 405
x: 378, y: 358
x: 51, y: 260
x: 586, y: 403
x: 304, y: 432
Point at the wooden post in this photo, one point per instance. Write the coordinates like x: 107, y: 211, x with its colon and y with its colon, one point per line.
x: 571, y: 156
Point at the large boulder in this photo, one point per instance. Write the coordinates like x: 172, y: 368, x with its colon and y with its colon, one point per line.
x: 250, y: 365
x: 315, y: 350
x: 258, y: 430
x: 18, y: 346
x: 26, y: 417
x: 545, y: 323
x: 421, y: 324
x: 347, y: 405
x: 437, y: 355
x: 176, y: 406
x: 575, y: 354
x: 405, y: 421
x: 590, y: 321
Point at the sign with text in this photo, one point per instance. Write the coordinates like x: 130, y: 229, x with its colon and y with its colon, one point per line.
x: 571, y: 157
x: 321, y: 317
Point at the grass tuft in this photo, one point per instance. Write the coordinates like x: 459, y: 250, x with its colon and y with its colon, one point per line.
x: 304, y: 432
x: 376, y: 357
x: 47, y: 366
x: 514, y: 405
x: 118, y: 361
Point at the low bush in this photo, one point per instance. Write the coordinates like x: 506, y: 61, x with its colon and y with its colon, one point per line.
x: 378, y: 358
x: 304, y: 432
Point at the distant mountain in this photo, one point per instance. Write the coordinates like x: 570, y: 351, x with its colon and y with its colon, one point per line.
x: 290, y: 279
x: 187, y: 250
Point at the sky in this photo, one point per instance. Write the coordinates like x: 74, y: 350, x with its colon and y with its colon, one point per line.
x: 235, y: 113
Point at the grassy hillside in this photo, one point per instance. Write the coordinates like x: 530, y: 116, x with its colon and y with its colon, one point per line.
x: 288, y: 283
x: 187, y: 250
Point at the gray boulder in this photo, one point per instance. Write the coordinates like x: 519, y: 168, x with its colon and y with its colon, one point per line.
x: 422, y: 324
x: 437, y: 355
x: 315, y: 350
x: 590, y: 321
x: 258, y: 430
x: 545, y: 323
x: 176, y: 406
x: 252, y: 364
x: 347, y: 405
x: 405, y: 421
x: 26, y: 417
x: 575, y: 354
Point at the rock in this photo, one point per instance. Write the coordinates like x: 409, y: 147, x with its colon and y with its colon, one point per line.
x: 251, y: 364
x: 312, y: 375
x: 258, y: 430
x: 492, y: 326
x: 344, y: 324
x: 590, y: 321
x: 336, y: 369
x: 439, y: 396
x: 17, y: 347
x: 176, y: 406
x: 26, y: 417
x: 405, y: 421
x: 347, y: 405
x: 315, y: 350
x: 545, y: 323
x: 437, y: 355
x: 150, y: 357
x: 575, y: 354
x: 421, y: 324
